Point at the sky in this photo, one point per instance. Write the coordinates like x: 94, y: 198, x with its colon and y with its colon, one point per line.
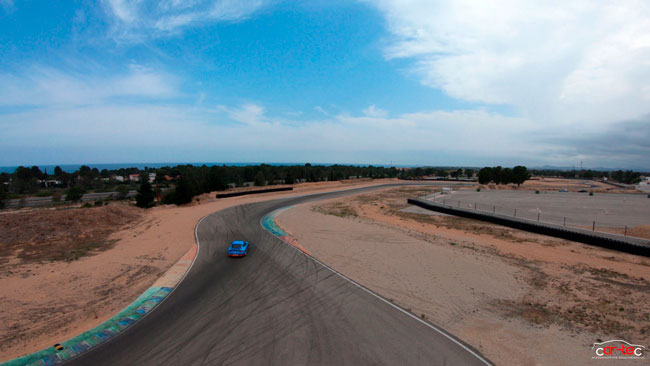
x: 407, y: 82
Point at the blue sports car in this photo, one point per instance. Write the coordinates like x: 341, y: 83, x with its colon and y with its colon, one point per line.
x: 238, y: 248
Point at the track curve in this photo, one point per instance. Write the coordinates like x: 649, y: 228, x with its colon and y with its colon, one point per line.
x: 276, y: 306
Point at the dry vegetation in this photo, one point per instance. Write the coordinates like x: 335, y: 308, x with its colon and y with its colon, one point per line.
x: 609, y: 297
x: 47, y: 235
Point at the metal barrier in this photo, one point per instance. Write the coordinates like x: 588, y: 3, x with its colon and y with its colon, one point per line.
x: 606, y: 240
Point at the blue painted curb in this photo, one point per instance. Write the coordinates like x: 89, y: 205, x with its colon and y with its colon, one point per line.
x: 101, y: 333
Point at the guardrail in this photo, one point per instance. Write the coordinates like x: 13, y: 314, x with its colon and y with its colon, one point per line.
x: 256, y: 191
x: 605, y: 240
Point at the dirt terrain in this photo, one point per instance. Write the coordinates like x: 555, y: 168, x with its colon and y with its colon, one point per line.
x: 553, y: 184
x: 66, y: 270
x: 520, y: 298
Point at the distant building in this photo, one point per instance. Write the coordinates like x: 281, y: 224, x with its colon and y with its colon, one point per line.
x: 134, y: 177
x: 118, y: 178
x: 644, y: 185
x: 50, y: 182
x: 152, y: 177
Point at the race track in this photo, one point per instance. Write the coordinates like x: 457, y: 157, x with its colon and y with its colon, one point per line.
x: 276, y: 306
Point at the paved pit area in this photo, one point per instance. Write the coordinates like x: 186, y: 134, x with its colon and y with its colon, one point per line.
x: 580, y: 209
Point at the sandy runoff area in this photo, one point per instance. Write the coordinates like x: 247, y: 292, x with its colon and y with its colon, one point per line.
x: 66, y: 270
x: 519, y: 298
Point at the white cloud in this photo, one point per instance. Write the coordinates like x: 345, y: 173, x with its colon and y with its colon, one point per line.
x: 249, y: 114
x: 39, y: 86
x: 149, y: 129
x: 373, y: 111
x: 136, y: 20
x: 557, y: 62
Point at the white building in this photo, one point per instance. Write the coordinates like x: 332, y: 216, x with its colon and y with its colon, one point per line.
x: 644, y: 185
x: 152, y: 177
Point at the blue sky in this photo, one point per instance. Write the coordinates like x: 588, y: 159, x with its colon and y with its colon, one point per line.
x: 407, y: 81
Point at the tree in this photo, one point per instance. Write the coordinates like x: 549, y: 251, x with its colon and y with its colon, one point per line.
x: 618, y: 176
x: 74, y: 194
x: 183, y: 193
x: 259, y: 179
x: 506, y: 176
x: 520, y: 174
x: 288, y: 178
x: 25, y: 182
x: 57, y: 171
x: 485, y: 175
x: 145, y: 195
x: 36, y: 172
x: 85, y: 171
x: 3, y: 197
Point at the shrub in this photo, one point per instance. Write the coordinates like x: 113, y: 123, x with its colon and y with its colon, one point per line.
x: 122, y: 191
x: 74, y: 194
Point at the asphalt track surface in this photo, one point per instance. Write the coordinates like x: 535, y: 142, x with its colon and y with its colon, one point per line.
x: 276, y: 306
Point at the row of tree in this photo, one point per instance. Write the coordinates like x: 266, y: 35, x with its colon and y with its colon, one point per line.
x: 627, y: 176
x: 182, y: 182
x: 499, y: 175
x: 194, y: 180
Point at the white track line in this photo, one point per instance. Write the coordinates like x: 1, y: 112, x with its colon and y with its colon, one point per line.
x: 439, y: 330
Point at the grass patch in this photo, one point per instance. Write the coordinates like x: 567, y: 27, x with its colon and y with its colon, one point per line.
x: 338, y: 209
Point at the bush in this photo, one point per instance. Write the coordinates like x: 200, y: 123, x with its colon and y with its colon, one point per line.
x: 122, y: 191
x: 537, y: 192
x: 86, y: 205
x: 74, y: 194
x: 99, y: 203
x: 478, y: 189
x: 591, y: 193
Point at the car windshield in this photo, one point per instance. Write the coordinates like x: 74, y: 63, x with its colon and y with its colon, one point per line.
x: 236, y: 246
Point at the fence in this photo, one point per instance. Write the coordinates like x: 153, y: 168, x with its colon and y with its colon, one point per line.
x: 537, y: 215
x: 611, y: 241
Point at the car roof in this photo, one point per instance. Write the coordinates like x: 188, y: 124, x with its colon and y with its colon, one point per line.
x: 238, y: 242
